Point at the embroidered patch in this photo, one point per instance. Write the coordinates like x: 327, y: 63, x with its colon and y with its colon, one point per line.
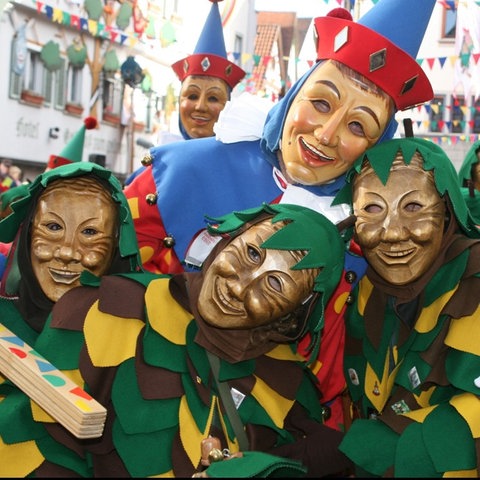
x: 400, y: 407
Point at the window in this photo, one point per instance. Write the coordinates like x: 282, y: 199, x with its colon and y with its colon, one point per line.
x: 449, y: 19
x: 15, y: 78
x: 112, y: 93
x: 437, y: 107
x: 458, y: 114
x: 35, y: 74
x: 74, y: 84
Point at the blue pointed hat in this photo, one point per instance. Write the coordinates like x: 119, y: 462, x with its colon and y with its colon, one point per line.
x: 382, y: 47
x: 210, y: 55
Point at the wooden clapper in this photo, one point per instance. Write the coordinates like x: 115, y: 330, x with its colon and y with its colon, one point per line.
x: 58, y: 395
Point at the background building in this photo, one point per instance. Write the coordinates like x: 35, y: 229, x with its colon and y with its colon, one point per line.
x: 62, y: 61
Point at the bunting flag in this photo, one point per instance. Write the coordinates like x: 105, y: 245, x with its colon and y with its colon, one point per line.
x: 468, y: 18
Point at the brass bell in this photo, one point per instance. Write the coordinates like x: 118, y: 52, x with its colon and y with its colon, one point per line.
x: 169, y: 241
x: 151, y: 198
x: 350, y: 276
x: 147, y: 160
x: 326, y: 412
x: 215, y: 455
x: 210, y: 447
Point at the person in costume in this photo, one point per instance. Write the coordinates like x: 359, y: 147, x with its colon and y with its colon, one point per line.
x: 345, y: 103
x: 6, y: 199
x: 469, y: 178
x: 70, y: 219
x: 207, y: 77
x: 156, y: 350
x: 412, y: 355
x: 207, y: 80
x: 6, y: 180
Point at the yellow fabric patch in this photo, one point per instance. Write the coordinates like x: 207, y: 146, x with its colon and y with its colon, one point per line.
x: 378, y: 390
x: 284, y: 352
x: 364, y: 292
x: 464, y: 333
x: 461, y: 474
x: 340, y: 302
x: 146, y: 253
x: 424, y: 398
x: 468, y: 406
x: 110, y: 340
x: 19, y: 459
x: 190, y: 436
x: 165, y: 315
x: 277, y: 407
x: 39, y: 414
x: 420, y: 414
x: 133, y: 204
x: 429, y: 317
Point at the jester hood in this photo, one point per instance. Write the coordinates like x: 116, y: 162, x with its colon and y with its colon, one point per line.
x: 19, y: 280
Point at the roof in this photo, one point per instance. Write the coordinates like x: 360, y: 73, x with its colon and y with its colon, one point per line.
x: 280, y: 32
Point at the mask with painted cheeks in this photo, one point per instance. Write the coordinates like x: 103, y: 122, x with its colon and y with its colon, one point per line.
x: 74, y: 228
x: 202, y: 98
x: 335, y: 117
x: 247, y: 286
x: 400, y: 223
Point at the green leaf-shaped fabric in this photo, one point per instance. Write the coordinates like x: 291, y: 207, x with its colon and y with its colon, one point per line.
x: 94, y: 9
x: 50, y: 56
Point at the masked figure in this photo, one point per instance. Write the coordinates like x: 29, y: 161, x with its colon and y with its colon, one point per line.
x: 71, y: 219
x: 156, y: 351
x: 344, y: 104
x: 411, y: 349
x: 469, y: 178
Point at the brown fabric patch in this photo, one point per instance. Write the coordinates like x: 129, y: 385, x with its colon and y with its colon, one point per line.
x: 110, y: 466
x: 181, y: 464
x: 50, y: 470
x: 121, y: 297
x: 68, y: 318
x: 284, y: 377
x: 99, y: 380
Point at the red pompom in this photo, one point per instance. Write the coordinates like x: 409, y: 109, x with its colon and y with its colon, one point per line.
x: 340, y: 13
x: 90, y: 123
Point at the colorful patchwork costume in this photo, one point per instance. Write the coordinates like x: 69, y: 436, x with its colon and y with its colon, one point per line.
x: 412, y: 353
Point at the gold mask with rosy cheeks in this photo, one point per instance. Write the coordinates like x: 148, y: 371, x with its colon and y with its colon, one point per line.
x: 201, y: 101
x: 247, y: 286
x: 333, y: 119
x: 73, y: 229
x: 399, y: 225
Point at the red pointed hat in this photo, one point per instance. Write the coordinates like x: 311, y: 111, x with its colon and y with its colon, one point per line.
x: 73, y: 151
x: 210, y: 56
x: 382, y: 47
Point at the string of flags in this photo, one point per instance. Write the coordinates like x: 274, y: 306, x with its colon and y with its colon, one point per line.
x: 166, y: 35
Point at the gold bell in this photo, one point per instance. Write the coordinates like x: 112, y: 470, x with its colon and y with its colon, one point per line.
x: 215, y: 455
x: 210, y: 448
x: 147, y: 160
x: 151, y: 198
x: 169, y: 241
